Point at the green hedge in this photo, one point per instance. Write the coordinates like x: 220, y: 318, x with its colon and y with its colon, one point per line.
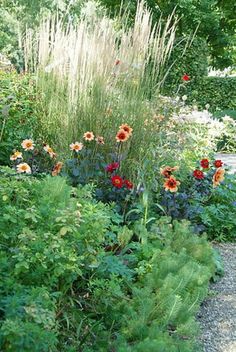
x: 191, y: 61
x: 219, y: 92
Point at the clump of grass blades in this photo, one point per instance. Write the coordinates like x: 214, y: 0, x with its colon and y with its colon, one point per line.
x: 99, y: 74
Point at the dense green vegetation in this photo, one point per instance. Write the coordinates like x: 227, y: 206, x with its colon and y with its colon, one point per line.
x: 208, y: 90
x: 18, y: 114
x: 110, y: 191
x: 213, y: 19
x: 73, y: 278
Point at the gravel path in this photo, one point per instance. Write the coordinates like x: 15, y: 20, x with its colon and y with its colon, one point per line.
x: 217, y: 316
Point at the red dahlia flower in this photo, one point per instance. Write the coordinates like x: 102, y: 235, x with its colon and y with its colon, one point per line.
x: 128, y: 184
x: 204, y: 163
x: 198, y: 174
x: 112, y: 167
x: 218, y: 163
x: 117, y: 181
x: 185, y: 78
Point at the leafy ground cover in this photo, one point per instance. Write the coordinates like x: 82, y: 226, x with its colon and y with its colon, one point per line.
x: 74, y: 278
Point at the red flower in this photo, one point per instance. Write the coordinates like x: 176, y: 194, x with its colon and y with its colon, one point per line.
x: 112, y: 167
x: 117, y: 181
x: 198, y: 174
x: 128, y: 184
x: 185, y: 78
x: 204, y: 163
x: 218, y: 163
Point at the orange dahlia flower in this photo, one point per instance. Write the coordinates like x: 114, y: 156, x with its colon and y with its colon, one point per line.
x: 28, y: 144
x: 16, y: 155
x: 126, y: 128
x: 171, y: 184
x: 50, y: 151
x: 100, y: 140
x: 122, y: 136
x: 167, y: 170
x: 23, y: 168
x: 57, y: 168
x: 218, y: 176
x: 89, y: 136
x: 76, y: 146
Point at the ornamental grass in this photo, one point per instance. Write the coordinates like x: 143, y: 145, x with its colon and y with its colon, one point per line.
x: 98, y: 75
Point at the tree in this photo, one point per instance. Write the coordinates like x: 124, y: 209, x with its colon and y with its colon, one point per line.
x: 214, y: 20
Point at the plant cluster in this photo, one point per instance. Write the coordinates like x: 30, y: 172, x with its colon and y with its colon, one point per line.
x: 35, y: 159
x: 74, y: 278
x: 198, y: 198
x: 18, y: 118
x: 227, y: 142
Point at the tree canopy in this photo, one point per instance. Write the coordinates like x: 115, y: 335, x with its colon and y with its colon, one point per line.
x: 214, y: 20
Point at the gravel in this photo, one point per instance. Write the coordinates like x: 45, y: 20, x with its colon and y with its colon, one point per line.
x: 217, y: 316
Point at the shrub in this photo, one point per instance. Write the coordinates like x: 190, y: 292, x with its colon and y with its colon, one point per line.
x: 219, y: 214
x: 218, y: 92
x: 227, y: 140
x: 205, y: 196
x: 74, y: 278
x: 17, y: 112
x: 186, y: 58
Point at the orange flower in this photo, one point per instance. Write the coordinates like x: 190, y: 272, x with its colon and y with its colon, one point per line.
x: 23, y: 168
x: 122, y: 136
x: 167, y: 170
x: 57, y: 168
x: 218, y: 176
x: 171, y: 184
x: 126, y: 128
x: 100, y: 140
x: 16, y: 155
x: 28, y: 144
x: 49, y: 150
x: 89, y: 136
x: 76, y: 146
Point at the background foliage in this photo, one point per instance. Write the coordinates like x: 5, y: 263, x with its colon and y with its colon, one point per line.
x: 214, y: 19
x: 17, y: 112
x: 218, y: 92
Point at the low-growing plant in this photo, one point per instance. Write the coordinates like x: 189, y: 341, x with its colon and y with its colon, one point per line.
x: 195, y: 197
x: 36, y: 158
x: 219, y: 216
x: 227, y: 140
x: 74, y: 278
